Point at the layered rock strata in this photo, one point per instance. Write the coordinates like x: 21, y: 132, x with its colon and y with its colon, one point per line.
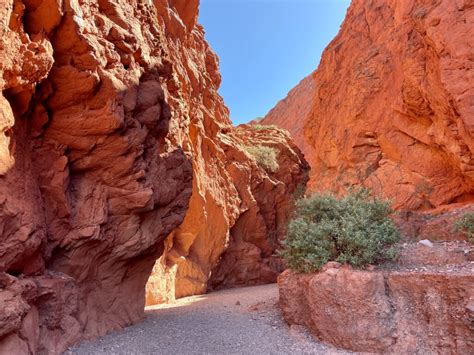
x: 114, y: 145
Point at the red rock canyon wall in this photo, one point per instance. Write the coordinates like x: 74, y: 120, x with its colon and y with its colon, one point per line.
x: 392, y: 105
x: 392, y: 108
x: 115, y: 149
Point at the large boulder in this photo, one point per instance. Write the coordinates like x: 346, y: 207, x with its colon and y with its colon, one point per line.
x: 423, y: 308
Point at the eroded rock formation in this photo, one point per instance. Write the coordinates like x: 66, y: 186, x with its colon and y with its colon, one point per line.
x: 209, y: 253
x: 392, y: 106
x: 114, y: 149
x: 267, y: 204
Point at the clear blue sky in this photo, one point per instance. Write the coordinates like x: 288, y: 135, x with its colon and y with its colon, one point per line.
x: 267, y: 46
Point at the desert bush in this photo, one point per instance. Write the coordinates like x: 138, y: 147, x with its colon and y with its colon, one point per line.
x: 266, y: 157
x: 465, y: 225
x: 355, y: 229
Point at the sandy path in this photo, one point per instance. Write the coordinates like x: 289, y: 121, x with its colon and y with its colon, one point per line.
x: 237, y: 321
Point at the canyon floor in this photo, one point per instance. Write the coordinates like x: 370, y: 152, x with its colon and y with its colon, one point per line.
x: 236, y: 321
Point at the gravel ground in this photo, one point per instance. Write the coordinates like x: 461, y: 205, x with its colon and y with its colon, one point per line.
x: 237, y: 321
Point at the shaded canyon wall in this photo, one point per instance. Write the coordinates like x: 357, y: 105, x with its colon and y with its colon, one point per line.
x: 115, y: 149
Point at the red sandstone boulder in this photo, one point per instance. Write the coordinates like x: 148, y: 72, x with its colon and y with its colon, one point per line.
x: 406, y: 311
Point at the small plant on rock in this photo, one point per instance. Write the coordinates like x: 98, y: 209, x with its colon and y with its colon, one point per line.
x: 261, y: 127
x: 465, y: 225
x: 266, y: 157
x: 355, y: 229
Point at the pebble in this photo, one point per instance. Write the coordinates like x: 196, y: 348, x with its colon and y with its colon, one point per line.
x: 426, y: 242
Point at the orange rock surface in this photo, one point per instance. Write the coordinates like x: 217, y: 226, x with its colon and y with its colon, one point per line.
x: 422, y: 309
x: 392, y: 106
x: 291, y: 113
x: 115, y: 149
x: 214, y: 250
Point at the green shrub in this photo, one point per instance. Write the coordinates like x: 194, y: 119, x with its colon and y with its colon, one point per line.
x: 355, y: 230
x: 465, y: 225
x: 266, y: 157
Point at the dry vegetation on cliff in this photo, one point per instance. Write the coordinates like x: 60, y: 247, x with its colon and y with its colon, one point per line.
x: 266, y: 157
x: 465, y: 225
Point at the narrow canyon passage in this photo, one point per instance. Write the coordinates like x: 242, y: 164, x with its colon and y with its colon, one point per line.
x: 119, y: 158
x: 235, y: 321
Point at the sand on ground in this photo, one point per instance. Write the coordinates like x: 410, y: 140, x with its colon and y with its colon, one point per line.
x: 236, y: 321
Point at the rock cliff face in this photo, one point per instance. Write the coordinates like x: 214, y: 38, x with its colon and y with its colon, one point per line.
x: 115, y: 149
x: 392, y: 106
x: 208, y: 253
x: 267, y: 202
x: 292, y: 112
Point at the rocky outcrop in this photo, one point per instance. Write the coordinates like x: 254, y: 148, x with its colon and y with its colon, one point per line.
x: 267, y: 203
x: 427, y: 307
x: 393, y: 103
x: 115, y: 149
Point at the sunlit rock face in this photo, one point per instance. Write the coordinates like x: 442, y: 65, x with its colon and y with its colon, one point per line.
x: 291, y: 112
x: 116, y: 149
x: 212, y: 249
x: 392, y: 104
x: 391, y: 108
